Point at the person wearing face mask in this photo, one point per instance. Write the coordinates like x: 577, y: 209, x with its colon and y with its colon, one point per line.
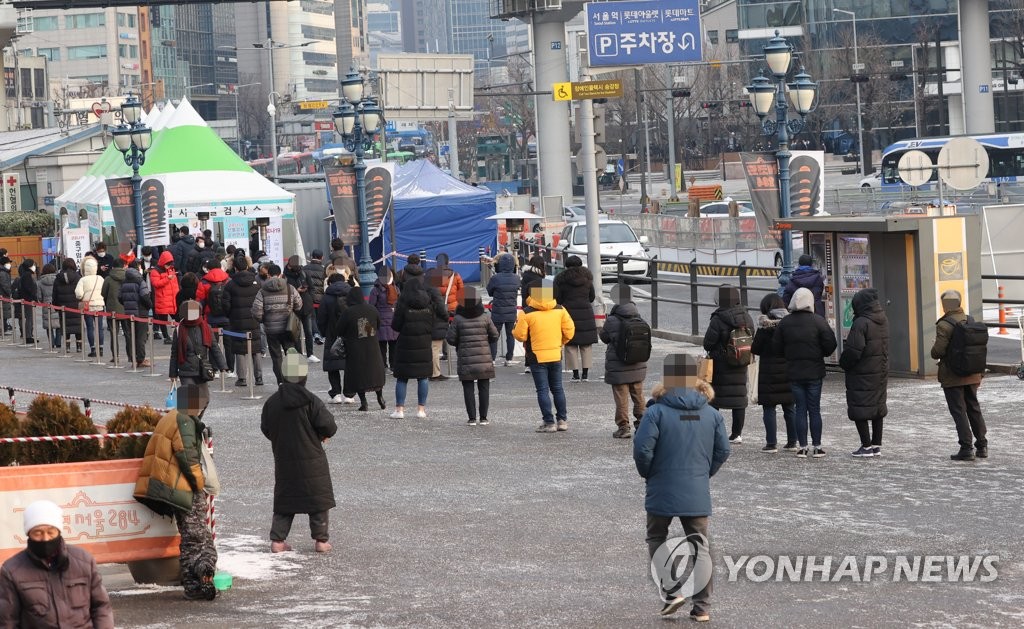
x: 201, y: 255
x: 104, y: 260
x: 5, y: 292
x: 29, y: 291
x: 52, y: 584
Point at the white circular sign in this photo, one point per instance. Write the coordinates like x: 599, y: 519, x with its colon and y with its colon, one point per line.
x: 915, y: 168
x: 963, y: 163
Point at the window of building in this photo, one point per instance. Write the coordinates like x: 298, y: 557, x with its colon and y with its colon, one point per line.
x: 120, y: 20
x: 51, y: 54
x: 39, y: 84
x: 25, y: 52
x: 85, y: 20
x: 128, y: 51
x: 321, y: 85
x: 712, y: 37
x: 98, y: 51
x: 26, y: 82
x: 319, y: 58
x: 131, y: 20
x: 732, y: 36
x: 45, y: 23
x: 318, y: 32
x: 317, y: 6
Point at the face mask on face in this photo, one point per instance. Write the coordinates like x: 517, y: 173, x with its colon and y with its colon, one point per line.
x: 101, y: 252
x: 32, y: 268
x: 7, y: 266
x: 45, y: 550
x: 200, y: 245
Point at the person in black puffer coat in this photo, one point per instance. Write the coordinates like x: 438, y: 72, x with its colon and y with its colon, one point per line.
x: 136, y: 300
x: 194, y: 338
x: 414, y: 321
x: 503, y: 287
x: 64, y: 295
x: 412, y: 269
x: 359, y: 325
x: 238, y: 297
x: 772, y: 382
x: 865, y: 359
x: 29, y: 290
x: 316, y: 274
x: 574, y: 291
x: 805, y: 339
x: 729, y: 382
x: 472, y: 334
x: 332, y: 306
x: 297, y: 279
x: 806, y: 276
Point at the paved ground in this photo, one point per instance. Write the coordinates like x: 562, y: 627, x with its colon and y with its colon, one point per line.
x: 441, y: 525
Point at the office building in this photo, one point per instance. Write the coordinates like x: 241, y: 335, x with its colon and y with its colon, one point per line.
x: 425, y: 26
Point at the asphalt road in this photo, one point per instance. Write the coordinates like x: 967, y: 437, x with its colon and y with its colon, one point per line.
x: 442, y: 525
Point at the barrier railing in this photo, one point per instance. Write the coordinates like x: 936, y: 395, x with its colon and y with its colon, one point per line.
x: 1006, y: 319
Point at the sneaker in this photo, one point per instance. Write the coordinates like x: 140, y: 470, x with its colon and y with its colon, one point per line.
x: 562, y: 425
x: 697, y: 616
x: 92, y: 354
x: 239, y: 383
x: 484, y: 421
x: 112, y: 361
x: 672, y: 606
x: 280, y: 547
x: 818, y: 452
x: 736, y: 439
x: 312, y: 358
x: 863, y: 452
x: 421, y: 414
x: 347, y: 400
x: 323, y: 547
x: 319, y: 340
x: 546, y: 427
x: 337, y: 399
x: 146, y: 363
x: 510, y: 362
x: 622, y: 433
x: 876, y: 451
x: 259, y: 382
x: 790, y: 447
x: 770, y: 449
x: 472, y: 422
x: 230, y: 374
x: 801, y: 453
x: 397, y: 414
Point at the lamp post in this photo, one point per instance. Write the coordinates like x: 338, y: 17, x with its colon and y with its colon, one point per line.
x: 133, y: 138
x: 763, y: 93
x: 856, y: 63
x: 188, y: 88
x: 357, y: 120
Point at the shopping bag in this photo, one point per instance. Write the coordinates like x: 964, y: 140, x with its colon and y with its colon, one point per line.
x: 212, y: 480
x: 753, y: 373
x: 705, y: 368
x: 172, y: 398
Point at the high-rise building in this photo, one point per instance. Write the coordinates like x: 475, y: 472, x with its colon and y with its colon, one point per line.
x: 425, y: 26
x: 473, y: 32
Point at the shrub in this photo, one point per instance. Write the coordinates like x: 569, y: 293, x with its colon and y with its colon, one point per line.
x: 52, y: 416
x: 26, y: 224
x: 130, y: 419
x: 9, y: 427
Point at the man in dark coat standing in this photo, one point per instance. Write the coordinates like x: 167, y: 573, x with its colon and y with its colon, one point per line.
x: 729, y: 381
x: 238, y: 297
x: 806, y: 276
x: 298, y: 424
x: 961, y: 391
x: 865, y: 359
x: 680, y: 445
x: 627, y: 380
x: 574, y: 291
x: 315, y: 273
x: 773, y: 387
x: 805, y: 339
x: 503, y: 287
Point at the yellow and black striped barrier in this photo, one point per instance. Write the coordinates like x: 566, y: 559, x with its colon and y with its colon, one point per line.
x: 717, y: 270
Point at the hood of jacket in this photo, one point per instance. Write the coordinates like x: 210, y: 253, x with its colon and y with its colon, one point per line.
x: 626, y: 311
x: 89, y: 266
x: 132, y: 276
x: 189, y: 240
x: 244, y: 278
x: 413, y: 270
x: 772, y: 319
x: 803, y: 299
x: 48, y: 279
x: 541, y: 304
x: 505, y: 263
x: 416, y: 298
x: 293, y: 396
x: 471, y: 309
x: 117, y: 274
x: 576, y: 276
x: 805, y: 276
x: 354, y: 297
x: 680, y: 397
x: 867, y: 304
x: 215, y: 276
x: 166, y: 259
x: 338, y: 289
x: 275, y: 285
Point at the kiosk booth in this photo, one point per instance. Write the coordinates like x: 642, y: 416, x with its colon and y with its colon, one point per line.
x: 910, y: 260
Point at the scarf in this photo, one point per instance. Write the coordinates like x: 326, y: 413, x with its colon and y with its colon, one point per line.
x: 183, y: 337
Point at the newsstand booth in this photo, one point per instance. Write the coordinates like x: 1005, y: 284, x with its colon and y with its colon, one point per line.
x: 911, y: 261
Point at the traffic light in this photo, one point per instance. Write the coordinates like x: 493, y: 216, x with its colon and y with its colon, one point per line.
x: 683, y: 93
x: 710, y: 105
x: 744, y: 103
x: 859, y: 78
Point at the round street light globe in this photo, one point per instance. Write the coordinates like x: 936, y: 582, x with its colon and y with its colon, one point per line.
x: 123, y: 138
x: 778, y: 53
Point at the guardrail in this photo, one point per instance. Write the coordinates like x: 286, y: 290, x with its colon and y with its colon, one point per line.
x: 1006, y: 318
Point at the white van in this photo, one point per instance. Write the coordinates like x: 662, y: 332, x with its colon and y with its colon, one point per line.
x: 617, y: 238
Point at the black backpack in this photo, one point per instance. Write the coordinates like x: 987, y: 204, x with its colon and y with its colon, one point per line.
x: 215, y: 300
x: 634, y: 343
x: 967, y: 353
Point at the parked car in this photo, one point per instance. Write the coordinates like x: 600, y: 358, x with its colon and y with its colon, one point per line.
x: 721, y: 208
x: 617, y: 238
x: 576, y: 213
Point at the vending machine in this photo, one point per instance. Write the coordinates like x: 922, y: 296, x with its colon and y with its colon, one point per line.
x: 845, y: 262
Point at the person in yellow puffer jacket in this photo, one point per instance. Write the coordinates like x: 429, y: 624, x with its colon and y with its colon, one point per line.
x: 548, y: 327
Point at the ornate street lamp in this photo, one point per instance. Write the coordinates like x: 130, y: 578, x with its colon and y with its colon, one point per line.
x: 133, y: 138
x: 764, y: 92
x: 358, y: 119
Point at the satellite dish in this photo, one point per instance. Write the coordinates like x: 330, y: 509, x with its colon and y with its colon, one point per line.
x: 963, y: 163
x: 915, y: 168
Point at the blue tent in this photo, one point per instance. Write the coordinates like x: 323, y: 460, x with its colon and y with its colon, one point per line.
x: 440, y: 214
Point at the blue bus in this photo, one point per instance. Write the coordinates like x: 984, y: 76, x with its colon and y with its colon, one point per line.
x: 1005, y: 157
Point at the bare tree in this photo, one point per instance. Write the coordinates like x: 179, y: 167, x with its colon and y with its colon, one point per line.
x: 253, y: 121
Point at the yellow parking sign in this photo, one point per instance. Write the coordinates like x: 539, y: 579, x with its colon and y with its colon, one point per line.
x: 562, y: 91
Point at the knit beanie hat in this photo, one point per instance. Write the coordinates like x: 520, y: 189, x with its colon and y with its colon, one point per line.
x: 43, y: 513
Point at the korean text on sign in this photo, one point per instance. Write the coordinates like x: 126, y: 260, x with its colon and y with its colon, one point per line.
x: 645, y: 32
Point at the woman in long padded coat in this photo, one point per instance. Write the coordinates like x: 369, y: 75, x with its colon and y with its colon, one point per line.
x: 472, y: 333
x: 728, y: 381
x: 574, y: 291
x: 384, y: 297
x: 414, y: 322
x: 64, y: 295
x: 865, y: 359
x: 358, y: 326
x: 772, y: 381
x: 328, y: 320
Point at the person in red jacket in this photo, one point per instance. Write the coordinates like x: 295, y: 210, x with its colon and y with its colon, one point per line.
x: 164, y: 283
x: 211, y: 294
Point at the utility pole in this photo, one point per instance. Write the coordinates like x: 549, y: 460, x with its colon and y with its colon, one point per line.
x: 639, y: 104
x: 671, y: 114
x: 590, y: 192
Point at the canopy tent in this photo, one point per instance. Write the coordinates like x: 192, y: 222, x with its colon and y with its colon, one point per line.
x: 440, y: 214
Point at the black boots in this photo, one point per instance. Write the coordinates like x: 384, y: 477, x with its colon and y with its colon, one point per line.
x: 380, y: 399
x: 965, y: 454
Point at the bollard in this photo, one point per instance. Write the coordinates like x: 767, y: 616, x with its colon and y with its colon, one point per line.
x: 80, y: 341
x: 152, y: 352
x: 694, y: 299
x: 1002, y: 312
x: 654, y: 293
x: 219, y: 338
x: 250, y: 370
x: 21, y: 322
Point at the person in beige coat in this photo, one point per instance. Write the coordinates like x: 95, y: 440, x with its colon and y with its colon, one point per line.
x: 89, y: 292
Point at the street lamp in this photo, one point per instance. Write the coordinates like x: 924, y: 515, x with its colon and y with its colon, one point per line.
x: 856, y: 65
x: 189, y: 87
x: 133, y: 138
x: 778, y: 53
x: 358, y: 119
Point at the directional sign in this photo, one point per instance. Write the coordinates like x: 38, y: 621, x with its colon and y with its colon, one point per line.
x: 643, y: 32
x: 587, y: 90
x: 314, y: 104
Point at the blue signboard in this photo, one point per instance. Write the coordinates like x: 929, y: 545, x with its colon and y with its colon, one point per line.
x: 643, y: 32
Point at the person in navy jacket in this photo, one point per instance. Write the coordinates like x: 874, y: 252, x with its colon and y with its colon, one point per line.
x: 503, y: 287
x: 680, y: 445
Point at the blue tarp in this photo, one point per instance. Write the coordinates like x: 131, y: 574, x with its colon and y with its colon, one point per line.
x: 439, y: 214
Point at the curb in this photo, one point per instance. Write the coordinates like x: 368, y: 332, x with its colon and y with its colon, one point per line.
x: 1004, y: 368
